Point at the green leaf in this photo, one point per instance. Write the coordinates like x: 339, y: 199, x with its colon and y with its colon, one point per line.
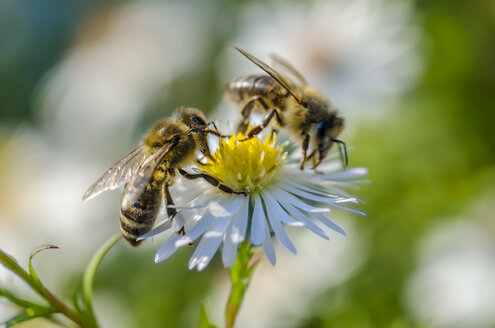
x: 88, y: 279
x: 203, y: 319
x: 34, y: 276
x: 28, y: 314
x: 33, y: 280
x: 16, y: 300
x: 75, y: 300
x: 10, y: 263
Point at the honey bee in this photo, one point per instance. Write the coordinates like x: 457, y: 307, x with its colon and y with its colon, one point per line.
x: 149, y: 170
x: 289, y: 103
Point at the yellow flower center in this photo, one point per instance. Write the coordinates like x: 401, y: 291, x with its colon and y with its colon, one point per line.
x: 246, y: 165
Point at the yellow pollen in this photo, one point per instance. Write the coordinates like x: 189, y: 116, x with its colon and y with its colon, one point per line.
x: 246, y: 165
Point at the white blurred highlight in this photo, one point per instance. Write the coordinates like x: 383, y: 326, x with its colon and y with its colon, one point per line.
x: 360, y: 53
x: 103, y: 85
x: 454, y: 285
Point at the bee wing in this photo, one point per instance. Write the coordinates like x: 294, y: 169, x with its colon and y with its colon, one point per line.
x: 285, y: 66
x: 138, y: 182
x: 118, y: 174
x: 274, y: 74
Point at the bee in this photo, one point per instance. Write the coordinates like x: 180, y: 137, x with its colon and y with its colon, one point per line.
x: 149, y: 170
x: 289, y: 103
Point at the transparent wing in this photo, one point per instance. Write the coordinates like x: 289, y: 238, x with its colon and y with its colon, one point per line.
x: 284, y: 66
x: 138, y: 182
x: 277, y: 76
x: 119, y: 174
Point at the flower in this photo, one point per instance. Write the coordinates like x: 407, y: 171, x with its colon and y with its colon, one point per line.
x: 280, y: 196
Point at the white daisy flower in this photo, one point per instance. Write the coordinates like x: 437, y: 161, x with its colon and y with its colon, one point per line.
x: 280, y: 196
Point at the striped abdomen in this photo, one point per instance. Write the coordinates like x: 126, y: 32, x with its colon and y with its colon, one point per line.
x: 242, y: 89
x: 139, y: 218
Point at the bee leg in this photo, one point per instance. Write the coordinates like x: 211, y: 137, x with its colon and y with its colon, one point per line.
x: 266, y: 121
x: 171, y: 211
x: 213, y: 181
x: 342, y: 152
x: 273, y: 132
x: 246, y: 113
x: 305, y: 145
x: 209, y: 156
x: 201, y: 130
x: 312, y: 157
x: 214, y: 124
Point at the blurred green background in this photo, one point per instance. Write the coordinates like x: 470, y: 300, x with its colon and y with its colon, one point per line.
x: 80, y: 82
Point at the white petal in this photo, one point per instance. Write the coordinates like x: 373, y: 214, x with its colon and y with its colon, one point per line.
x: 196, y: 255
x: 280, y: 213
x: 163, y: 226
x: 190, y: 203
x: 240, y: 223
x: 229, y: 251
x: 302, y: 184
x: 200, y: 201
x: 196, y: 231
x: 332, y: 189
x: 167, y: 249
x: 208, y: 246
x: 218, y: 228
x: 317, y: 198
x: 288, y: 197
x: 177, y: 207
x: 209, y: 253
x: 298, y: 215
x: 330, y: 166
x: 351, y: 210
x: 276, y: 225
x: 338, y: 197
x: 304, y: 194
x: 268, y: 246
x: 179, y: 221
x: 330, y: 223
x: 257, y: 222
x: 348, y: 174
x: 217, y: 209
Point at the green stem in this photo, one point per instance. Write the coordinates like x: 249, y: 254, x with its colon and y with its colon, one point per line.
x: 54, y: 301
x: 241, y: 274
x: 89, y: 274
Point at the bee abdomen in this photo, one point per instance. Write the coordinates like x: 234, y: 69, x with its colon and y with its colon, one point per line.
x: 139, y: 218
x: 241, y: 89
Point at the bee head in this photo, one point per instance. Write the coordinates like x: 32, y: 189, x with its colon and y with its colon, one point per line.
x: 192, y: 117
x: 326, y: 133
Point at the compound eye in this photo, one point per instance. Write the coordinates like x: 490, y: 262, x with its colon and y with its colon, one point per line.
x: 320, y: 129
x: 198, y: 120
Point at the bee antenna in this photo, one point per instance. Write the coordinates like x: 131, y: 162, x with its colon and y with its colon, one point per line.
x: 342, y: 151
x: 213, y: 123
x: 270, y: 71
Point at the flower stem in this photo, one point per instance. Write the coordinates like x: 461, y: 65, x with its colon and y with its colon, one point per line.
x: 89, y: 275
x: 240, y: 274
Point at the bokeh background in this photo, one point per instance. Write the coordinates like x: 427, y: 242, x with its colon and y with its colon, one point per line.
x: 81, y: 81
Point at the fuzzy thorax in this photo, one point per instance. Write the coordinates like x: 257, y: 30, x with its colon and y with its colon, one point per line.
x: 250, y: 165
